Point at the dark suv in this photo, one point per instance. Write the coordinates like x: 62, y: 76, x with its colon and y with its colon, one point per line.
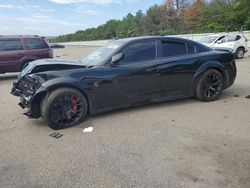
x: 17, y: 51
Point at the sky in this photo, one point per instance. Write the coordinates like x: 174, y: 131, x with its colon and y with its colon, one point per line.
x: 57, y: 17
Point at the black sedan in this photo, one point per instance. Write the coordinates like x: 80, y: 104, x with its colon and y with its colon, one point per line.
x: 120, y: 74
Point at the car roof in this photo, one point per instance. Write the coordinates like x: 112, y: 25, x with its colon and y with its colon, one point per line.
x: 19, y: 36
x: 133, y: 39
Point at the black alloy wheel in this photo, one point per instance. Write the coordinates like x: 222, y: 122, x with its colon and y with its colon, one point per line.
x: 210, y: 86
x: 64, y: 108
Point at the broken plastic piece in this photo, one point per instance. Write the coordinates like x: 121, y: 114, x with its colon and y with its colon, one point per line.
x: 88, y: 130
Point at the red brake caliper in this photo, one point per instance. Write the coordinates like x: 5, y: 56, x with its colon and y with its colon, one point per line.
x: 73, y: 103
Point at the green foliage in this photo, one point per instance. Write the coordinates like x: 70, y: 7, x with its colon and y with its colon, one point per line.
x: 172, y: 17
x: 167, y: 32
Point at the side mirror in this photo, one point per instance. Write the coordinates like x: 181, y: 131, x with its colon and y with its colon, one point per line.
x: 117, y: 58
x: 219, y: 42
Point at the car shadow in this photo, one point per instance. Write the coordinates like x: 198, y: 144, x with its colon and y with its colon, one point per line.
x: 161, y: 105
x: 177, y: 102
x: 225, y: 96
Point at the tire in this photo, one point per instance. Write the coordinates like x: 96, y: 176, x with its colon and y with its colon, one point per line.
x: 64, y: 108
x: 239, y: 54
x: 209, y: 86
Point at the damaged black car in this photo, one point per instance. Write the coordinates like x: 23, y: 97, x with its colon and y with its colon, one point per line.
x: 123, y: 73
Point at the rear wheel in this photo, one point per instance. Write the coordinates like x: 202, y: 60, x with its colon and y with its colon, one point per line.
x: 209, y: 86
x: 64, y: 107
x: 239, y: 54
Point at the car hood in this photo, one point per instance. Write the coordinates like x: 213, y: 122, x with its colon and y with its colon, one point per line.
x: 44, y: 65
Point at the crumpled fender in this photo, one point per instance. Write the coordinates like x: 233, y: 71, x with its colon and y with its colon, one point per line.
x: 55, y: 83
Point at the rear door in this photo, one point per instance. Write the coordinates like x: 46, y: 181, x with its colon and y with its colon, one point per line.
x: 36, y: 48
x: 11, y: 54
x: 179, y: 62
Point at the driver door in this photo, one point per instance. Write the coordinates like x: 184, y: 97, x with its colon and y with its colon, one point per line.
x: 136, y: 78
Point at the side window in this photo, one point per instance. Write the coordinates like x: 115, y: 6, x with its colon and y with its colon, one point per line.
x: 10, y: 45
x: 231, y: 38
x: 34, y: 43
x: 222, y: 38
x: 238, y: 37
x: 141, y: 51
x: 201, y: 48
x: 170, y: 48
x: 191, y: 48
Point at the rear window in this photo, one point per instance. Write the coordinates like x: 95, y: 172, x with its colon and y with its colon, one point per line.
x: 35, y: 43
x: 201, y: 48
x: 245, y: 38
x: 10, y: 45
x: 172, y: 48
x: 238, y: 37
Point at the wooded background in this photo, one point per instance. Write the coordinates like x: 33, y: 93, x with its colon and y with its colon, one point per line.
x: 171, y: 18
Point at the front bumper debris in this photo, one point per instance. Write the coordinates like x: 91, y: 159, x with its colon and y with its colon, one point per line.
x: 15, y: 91
x: 25, y: 88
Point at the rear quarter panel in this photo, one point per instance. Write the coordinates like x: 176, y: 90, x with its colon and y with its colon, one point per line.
x: 221, y: 61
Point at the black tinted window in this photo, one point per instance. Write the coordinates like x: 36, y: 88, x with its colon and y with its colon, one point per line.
x: 141, y: 51
x: 191, y: 48
x: 35, y: 43
x: 201, y: 48
x: 170, y: 48
x: 222, y: 38
x: 238, y: 37
x: 8, y: 45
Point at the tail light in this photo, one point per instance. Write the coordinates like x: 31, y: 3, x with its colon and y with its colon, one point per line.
x: 50, y: 52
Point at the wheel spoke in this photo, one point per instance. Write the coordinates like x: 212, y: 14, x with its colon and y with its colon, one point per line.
x: 66, y: 109
x: 211, y: 88
x: 212, y: 85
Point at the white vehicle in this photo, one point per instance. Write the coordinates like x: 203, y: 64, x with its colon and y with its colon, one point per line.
x: 237, y: 42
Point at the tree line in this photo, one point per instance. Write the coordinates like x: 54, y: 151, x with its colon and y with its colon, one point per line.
x: 172, y: 17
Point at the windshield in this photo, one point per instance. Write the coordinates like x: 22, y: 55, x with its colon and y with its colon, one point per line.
x: 208, y: 39
x: 98, y: 56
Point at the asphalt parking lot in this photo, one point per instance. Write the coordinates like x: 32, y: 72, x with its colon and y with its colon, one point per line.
x: 184, y: 143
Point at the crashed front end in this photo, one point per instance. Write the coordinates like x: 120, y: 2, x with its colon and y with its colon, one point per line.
x: 29, y: 89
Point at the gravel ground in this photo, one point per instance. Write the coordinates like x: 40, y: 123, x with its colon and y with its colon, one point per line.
x: 184, y: 143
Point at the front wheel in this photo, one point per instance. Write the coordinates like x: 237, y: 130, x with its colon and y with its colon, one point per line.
x: 63, y: 108
x: 209, y: 86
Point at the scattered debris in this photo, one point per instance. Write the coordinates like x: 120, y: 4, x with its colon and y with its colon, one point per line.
x: 236, y: 95
x: 173, y: 120
x: 57, y: 56
x: 88, y: 130
x: 56, y: 135
x: 248, y: 97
